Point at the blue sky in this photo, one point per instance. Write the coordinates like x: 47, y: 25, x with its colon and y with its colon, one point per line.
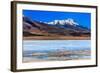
x: 83, y: 19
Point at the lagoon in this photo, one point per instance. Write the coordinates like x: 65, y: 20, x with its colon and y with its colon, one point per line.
x: 51, y: 50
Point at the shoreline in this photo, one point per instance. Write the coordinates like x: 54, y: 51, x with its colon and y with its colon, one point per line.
x: 53, y: 60
x: 56, y: 38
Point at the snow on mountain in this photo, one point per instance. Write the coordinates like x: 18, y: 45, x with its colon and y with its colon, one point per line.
x: 69, y: 21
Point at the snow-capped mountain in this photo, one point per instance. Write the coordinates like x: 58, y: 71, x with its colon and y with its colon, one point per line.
x: 66, y: 27
x: 69, y: 21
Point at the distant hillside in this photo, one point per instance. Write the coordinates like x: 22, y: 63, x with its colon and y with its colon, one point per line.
x: 56, y: 28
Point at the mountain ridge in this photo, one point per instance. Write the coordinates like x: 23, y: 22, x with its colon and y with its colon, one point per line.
x: 64, y: 28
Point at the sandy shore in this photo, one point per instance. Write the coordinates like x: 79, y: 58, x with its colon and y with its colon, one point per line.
x: 37, y: 60
x: 55, y: 38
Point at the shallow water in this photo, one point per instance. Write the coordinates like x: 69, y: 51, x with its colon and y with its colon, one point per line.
x: 47, y: 47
